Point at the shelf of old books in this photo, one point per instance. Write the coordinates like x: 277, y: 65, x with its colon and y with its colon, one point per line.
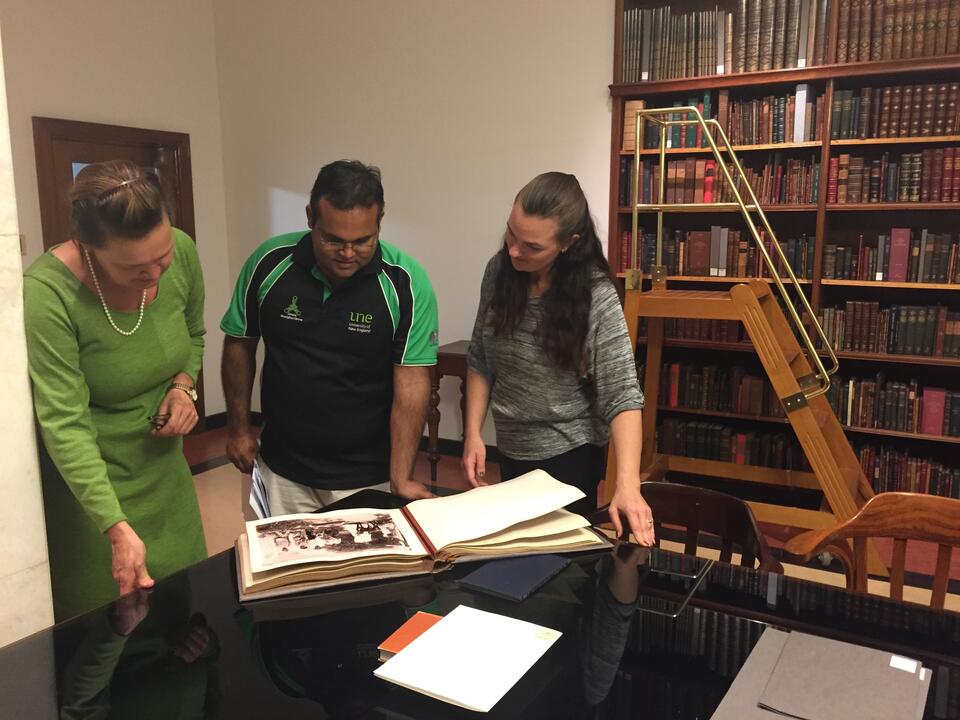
x: 846, y: 117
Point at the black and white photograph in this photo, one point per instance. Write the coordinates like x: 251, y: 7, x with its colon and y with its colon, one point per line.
x: 313, y: 538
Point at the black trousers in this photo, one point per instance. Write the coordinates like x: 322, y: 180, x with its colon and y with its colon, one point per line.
x: 582, y: 467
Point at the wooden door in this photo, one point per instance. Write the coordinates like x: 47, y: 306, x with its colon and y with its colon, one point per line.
x: 63, y: 147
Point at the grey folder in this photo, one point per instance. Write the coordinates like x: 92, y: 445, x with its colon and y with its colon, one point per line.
x: 813, y: 678
x: 820, y: 679
x: 740, y: 702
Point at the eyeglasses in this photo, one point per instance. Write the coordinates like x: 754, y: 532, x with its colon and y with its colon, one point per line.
x: 336, y: 244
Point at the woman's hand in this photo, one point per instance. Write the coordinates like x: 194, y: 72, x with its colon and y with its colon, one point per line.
x: 180, y: 411
x: 129, y: 558
x: 628, y: 501
x: 474, y: 461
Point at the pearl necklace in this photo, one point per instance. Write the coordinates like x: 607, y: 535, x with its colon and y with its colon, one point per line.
x: 106, y: 310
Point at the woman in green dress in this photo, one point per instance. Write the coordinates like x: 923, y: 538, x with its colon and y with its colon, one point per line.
x: 114, y: 322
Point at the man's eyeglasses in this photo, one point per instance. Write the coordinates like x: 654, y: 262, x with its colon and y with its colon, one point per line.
x: 337, y: 245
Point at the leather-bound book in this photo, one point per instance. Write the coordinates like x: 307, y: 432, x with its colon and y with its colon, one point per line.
x: 853, y: 32
x: 754, y: 18
x: 866, y: 110
x: 928, y: 110
x: 909, y: 13
x: 866, y: 30
x: 876, y: 30
x: 820, y: 31
x: 886, y: 35
x: 767, y: 15
x: 936, y: 174
x: 900, y: 9
x: 906, y: 111
x: 919, y: 26
x: 886, y: 99
x: 791, y: 48
x: 930, y: 27
x: 843, y: 32
x: 896, y: 100
x: 942, y: 21
x: 939, y: 109
x: 916, y: 112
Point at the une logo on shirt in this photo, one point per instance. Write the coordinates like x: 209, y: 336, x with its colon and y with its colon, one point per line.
x: 292, y: 311
x: 360, y: 322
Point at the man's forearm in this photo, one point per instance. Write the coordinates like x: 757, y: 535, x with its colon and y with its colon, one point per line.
x: 411, y: 394
x: 237, y: 369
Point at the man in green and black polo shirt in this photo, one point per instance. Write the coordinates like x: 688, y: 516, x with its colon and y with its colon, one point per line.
x: 349, y: 324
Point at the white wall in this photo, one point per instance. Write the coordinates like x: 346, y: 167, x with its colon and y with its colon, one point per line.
x: 460, y: 103
x: 124, y: 62
x: 25, y: 602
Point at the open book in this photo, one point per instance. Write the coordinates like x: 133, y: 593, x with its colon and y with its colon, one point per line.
x: 524, y: 516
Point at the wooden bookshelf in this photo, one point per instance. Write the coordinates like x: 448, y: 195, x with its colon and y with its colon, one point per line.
x: 707, y: 210
x: 833, y: 223
x: 787, y: 76
x: 841, y: 354
x: 783, y: 421
x: 950, y: 287
x: 736, y: 148
x: 922, y: 140
x: 726, y: 279
x: 891, y: 206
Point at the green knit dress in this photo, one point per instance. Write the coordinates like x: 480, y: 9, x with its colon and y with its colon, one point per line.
x: 93, y: 392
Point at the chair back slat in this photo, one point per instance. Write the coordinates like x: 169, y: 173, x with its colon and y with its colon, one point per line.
x: 726, y: 551
x: 860, y: 559
x: 941, y: 577
x: 690, y: 546
x: 897, y: 568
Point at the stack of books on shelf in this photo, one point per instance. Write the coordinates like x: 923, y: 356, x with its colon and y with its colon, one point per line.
x: 772, y: 119
x: 884, y: 404
x: 902, y: 255
x: 780, y: 180
x: 884, y: 30
x: 720, y: 252
x: 893, y: 469
x: 932, y: 175
x: 865, y: 326
x: 716, y: 441
x: 908, y: 111
x: 660, y: 43
x: 718, y: 389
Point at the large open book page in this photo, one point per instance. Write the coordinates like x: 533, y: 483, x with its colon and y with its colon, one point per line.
x: 339, y: 537
x: 490, y: 509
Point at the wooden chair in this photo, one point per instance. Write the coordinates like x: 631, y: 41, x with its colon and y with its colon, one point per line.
x: 898, y: 515
x: 707, y: 511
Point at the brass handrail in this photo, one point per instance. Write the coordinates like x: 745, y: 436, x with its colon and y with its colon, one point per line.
x: 821, y: 376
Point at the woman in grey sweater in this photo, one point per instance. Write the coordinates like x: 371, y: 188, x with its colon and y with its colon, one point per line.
x: 550, y: 355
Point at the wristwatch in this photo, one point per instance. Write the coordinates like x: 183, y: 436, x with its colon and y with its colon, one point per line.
x: 190, y: 390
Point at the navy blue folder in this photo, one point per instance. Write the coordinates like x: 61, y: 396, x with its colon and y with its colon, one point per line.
x: 515, y: 578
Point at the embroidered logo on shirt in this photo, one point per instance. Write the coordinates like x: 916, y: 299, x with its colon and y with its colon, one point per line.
x: 360, y: 322
x: 292, y: 311
x: 434, y: 338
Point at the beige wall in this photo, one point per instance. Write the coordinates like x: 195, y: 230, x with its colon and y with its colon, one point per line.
x: 460, y: 103
x: 123, y: 62
x: 25, y: 603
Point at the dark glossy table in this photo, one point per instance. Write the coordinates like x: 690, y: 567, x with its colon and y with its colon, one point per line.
x: 192, y: 651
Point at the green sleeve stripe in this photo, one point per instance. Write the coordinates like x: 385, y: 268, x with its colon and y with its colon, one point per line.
x: 391, y: 299
x: 236, y: 319
x: 272, y: 278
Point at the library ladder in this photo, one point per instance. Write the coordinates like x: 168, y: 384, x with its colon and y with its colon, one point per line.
x: 797, y: 372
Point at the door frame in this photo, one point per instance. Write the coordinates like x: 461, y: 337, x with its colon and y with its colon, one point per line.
x: 46, y: 131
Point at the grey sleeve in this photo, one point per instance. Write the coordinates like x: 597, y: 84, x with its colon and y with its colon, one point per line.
x: 476, y: 354
x: 613, y: 370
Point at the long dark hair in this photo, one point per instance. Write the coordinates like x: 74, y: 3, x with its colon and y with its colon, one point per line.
x: 562, y: 332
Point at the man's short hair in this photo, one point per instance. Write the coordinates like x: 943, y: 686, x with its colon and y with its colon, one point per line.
x: 347, y: 184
